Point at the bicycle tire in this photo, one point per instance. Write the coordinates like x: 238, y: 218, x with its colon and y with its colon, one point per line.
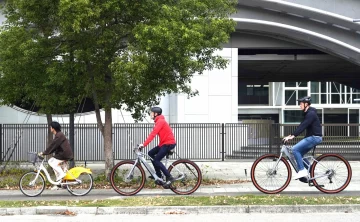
x: 197, y: 181
x: 256, y: 181
x: 115, y: 183
x: 71, y: 190
x: 22, y: 179
x: 318, y: 182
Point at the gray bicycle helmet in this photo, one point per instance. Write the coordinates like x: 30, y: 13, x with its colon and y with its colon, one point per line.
x: 157, y: 110
x: 306, y: 99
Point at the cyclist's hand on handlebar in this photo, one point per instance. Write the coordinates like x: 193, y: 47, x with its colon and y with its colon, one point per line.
x: 290, y: 137
x: 40, y: 154
x: 140, y: 146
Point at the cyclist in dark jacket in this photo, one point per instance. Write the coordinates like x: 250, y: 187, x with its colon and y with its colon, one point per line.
x: 312, y: 138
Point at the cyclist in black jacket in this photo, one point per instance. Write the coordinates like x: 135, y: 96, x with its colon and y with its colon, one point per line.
x: 312, y: 138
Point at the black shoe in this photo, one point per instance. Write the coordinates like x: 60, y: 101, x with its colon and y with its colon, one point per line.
x: 304, y: 180
x: 169, y: 181
x: 158, y: 182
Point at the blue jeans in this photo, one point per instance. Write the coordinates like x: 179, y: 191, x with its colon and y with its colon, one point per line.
x: 304, y: 146
x: 157, y: 153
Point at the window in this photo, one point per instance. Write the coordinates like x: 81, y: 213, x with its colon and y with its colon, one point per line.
x: 253, y: 94
x: 290, y: 97
x: 315, y: 87
x: 290, y: 84
x: 297, y: 116
x: 293, y: 116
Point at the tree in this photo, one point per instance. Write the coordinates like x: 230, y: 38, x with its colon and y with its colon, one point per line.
x: 132, y: 52
x: 35, y: 65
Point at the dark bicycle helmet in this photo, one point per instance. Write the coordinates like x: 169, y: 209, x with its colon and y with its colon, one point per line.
x: 306, y: 99
x: 157, y: 110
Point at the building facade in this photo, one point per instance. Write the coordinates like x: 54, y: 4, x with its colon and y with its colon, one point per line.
x: 281, y: 50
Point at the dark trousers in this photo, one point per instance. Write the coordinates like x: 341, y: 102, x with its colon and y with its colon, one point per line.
x: 157, y: 154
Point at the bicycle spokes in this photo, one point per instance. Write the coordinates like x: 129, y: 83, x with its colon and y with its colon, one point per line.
x: 331, y: 173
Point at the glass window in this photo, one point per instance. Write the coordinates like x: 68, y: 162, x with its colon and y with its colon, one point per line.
x: 302, y: 93
x: 290, y: 97
x: 323, y: 87
x: 290, y: 84
x: 335, y: 87
x: 293, y: 116
x: 335, y: 98
x: 315, y: 98
x: 249, y: 91
x: 323, y: 99
x: 302, y: 84
x: 315, y: 87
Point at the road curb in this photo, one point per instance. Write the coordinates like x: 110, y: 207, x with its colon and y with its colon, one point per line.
x: 63, y: 210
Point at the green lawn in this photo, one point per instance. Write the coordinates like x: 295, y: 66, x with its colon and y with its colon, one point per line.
x: 190, y: 201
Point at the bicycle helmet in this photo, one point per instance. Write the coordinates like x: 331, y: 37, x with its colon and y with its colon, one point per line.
x: 306, y: 99
x: 157, y: 110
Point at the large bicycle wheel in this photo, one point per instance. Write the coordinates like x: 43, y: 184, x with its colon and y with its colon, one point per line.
x: 127, y: 179
x: 188, y: 176
x: 30, y: 185
x: 80, y: 188
x: 269, y: 178
x: 334, y: 173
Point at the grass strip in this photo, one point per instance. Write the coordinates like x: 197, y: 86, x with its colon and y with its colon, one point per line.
x: 190, y: 201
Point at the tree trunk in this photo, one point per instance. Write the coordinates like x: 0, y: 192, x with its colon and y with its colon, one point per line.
x: 108, y: 151
x: 49, y: 134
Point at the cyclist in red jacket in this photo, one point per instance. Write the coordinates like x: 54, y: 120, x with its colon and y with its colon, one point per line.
x: 167, y: 143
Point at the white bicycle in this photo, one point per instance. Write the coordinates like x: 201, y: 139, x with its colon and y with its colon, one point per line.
x: 78, y: 180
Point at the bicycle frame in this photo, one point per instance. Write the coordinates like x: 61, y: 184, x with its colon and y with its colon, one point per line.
x: 42, y: 168
x: 285, y: 150
x: 140, y: 157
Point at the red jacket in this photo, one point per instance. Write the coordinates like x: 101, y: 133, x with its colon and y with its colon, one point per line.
x: 164, y: 131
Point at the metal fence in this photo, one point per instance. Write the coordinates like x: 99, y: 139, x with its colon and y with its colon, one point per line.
x: 218, y: 142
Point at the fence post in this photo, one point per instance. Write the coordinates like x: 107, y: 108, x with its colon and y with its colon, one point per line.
x: 223, y: 142
x: 270, y: 137
x: 1, y: 151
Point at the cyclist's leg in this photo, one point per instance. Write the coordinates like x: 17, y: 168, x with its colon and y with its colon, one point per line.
x: 55, y: 164
x: 153, y: 153
x: 162, y: 153
x: 302, y: 147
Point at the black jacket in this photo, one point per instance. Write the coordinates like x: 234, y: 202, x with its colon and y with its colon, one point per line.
x: 61, y: 146
x: 311, y: 123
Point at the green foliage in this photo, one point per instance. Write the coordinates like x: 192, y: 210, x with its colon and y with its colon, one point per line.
x: 122, y: 51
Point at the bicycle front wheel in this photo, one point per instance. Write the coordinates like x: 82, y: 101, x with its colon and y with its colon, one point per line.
x: 332, y: 173
x: 30, y: 185
x: 268, y: 177
x: 188, y: 177
x: 126, y: 178
x: 81, y: 187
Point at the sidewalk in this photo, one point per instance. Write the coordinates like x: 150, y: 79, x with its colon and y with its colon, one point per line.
x: 63, y: 210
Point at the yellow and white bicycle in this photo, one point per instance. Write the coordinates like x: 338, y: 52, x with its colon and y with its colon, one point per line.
x: 78, y: 180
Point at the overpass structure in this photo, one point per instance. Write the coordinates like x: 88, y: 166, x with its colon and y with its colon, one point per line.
x: 326, y: 26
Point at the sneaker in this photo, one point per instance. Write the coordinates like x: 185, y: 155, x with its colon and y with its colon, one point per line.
x: 300, y: 174
x: 169, y: 181
x: 56, y: 187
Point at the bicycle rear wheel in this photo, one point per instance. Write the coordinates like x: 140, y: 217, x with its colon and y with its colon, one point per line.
x: 269, y: 178
x: 126, y: 181
x: 30, y: 185
x: 334, y: 173
x: 83, y: 188
x: 190, y: 174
